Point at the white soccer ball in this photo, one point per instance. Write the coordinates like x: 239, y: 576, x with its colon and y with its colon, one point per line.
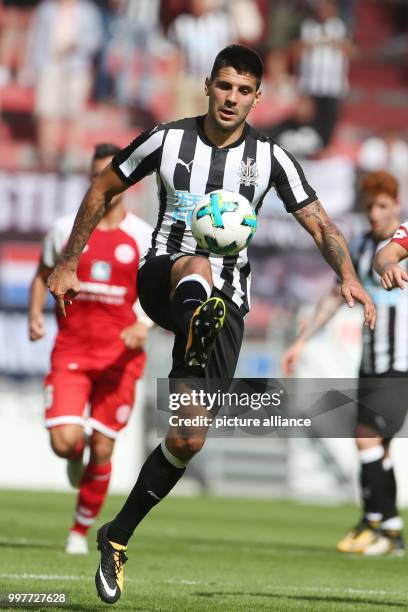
x: 223, y: 222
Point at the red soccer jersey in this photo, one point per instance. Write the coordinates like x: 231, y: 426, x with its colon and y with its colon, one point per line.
x: 89, y: 337
x: 401, y: 235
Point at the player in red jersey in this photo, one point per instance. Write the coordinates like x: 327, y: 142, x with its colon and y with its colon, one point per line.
x: 98, y: 352
x: 387, y: 260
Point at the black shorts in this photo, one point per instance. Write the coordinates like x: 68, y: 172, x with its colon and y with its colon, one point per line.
x: 382, y: 404
x: 154, y: 285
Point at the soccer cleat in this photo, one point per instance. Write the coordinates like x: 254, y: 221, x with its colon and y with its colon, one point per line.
x: 205, y: 324
x: 388, y: 542
x: 110, y: 574
x: 76, y: 544
x: 358, y: 538
x: 75, y: 469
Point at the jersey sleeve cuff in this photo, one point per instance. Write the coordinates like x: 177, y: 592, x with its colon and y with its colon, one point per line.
x: 294, y: 207
x: 402, y: 242
x: 116, y: 168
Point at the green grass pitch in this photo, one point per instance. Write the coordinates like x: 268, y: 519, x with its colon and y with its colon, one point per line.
x: 194, y: 554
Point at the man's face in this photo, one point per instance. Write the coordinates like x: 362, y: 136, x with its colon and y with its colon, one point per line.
x: 382, y: 212
x: 231, y: 97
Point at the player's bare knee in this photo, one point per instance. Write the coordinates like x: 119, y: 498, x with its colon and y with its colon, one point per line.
x: 101, y: 448
x: 62, y: 443
x: 185, y: 448
x: 186, y: 266
x: 366, y: 437
x: 200, y: 265
x: 101, y: 453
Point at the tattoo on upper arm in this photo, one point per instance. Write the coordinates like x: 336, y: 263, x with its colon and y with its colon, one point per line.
x: 309, y: 213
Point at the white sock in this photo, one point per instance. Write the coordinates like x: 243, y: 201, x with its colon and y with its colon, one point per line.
x: 178, y: 463
x: 197, y: 278
x: 395, y: 523
x: 369, y: 455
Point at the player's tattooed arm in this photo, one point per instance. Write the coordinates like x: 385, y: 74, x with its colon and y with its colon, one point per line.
x: 328, y: 238
x: 96, y: 202
x: 334, y: 249
x: 63, y: 282
x: 386, y: 263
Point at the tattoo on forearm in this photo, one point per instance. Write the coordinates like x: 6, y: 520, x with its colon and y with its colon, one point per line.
x: 334, y: 253
x: 326, y: 234
x: 85, y: 222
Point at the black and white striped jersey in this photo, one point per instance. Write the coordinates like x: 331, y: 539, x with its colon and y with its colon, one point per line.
x: 323, y: 64
x: 386, y: 347
x: 187, y: 166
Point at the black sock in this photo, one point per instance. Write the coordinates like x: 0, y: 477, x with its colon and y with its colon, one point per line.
x: 189, y: 294
x: 156, y: 479
x: 372, y: 487
x: 389, y: 501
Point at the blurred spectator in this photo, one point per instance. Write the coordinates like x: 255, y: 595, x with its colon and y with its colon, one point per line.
x: 170, y: 10
x: 283, y: 21
x: 103, y: 77
x: 198, y: 37
x: 387, y: 151
x: 247, y: 19
x: 64, y: 38
x: 279, y: 90
x: 323, y: 51
x: 14, y: 20
x: 298, y: 134
x: 131, y: 55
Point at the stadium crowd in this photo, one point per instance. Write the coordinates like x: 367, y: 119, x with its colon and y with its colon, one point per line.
x: 71, y: 69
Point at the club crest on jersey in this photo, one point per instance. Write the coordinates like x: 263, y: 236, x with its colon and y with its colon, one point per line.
x: 248, y: 173
x: 401, y: 233
x: 101, y: 271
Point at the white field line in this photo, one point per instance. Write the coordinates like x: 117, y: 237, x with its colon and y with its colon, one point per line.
x: 26, y: 541
x: 283, y: 587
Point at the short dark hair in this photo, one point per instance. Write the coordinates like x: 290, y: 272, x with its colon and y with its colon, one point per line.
x: 105, y: 149
x: 242, y: 59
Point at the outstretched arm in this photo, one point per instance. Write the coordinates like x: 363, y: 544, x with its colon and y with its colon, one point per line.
x: 333, y: 247
x: 38, y: 297
x: 386, y: 264
x: 326, y: 308
x: 63, y: 280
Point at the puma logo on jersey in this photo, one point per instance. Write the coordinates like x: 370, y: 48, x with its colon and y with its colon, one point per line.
x: 183, y: 163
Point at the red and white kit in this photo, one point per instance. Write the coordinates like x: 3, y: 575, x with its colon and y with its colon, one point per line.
x: 401, y: 235
x: 89, y: 362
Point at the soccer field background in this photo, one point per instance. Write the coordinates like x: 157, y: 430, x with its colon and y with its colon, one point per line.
x: 202, y: 554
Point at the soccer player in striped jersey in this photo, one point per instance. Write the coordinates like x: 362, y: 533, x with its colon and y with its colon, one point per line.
x: 200, y: 297
x: 384, y: 356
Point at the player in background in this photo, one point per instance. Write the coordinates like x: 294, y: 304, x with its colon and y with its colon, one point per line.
x: 384, y: 356
x: 99, y: 351
x: 201, y: 297
x: 388, y: 258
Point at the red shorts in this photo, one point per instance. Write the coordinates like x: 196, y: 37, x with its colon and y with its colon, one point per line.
x: 110, y: 395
